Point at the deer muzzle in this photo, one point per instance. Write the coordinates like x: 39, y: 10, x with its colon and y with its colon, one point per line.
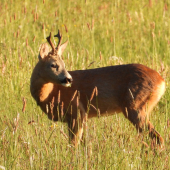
x: 67, y: 81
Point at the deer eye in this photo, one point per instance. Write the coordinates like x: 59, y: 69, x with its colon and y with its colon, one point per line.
x: 54, y: 66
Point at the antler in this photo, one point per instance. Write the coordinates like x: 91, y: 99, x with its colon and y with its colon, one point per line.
x: 59, y: 37
x: 50, y: 42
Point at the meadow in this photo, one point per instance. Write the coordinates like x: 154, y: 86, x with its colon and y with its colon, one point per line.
x: 100, y: 33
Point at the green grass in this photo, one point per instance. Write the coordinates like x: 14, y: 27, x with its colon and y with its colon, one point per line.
x: 104, y: 32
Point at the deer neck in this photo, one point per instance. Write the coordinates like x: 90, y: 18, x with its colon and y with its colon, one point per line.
x: 41, y: 90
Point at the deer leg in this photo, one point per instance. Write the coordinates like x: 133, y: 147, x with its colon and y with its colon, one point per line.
x: 155, y: 135
x: 137, y: 110
x: 133, y: 116
x: 75, y: 127
x: 139, y: 120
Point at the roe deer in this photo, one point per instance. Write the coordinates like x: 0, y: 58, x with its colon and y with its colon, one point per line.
x: 133, y: 89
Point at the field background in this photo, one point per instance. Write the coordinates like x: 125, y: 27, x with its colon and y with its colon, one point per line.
x: 100, y: 33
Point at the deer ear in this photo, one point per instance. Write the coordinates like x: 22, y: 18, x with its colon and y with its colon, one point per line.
x: 62, y: 48
x: 44, y: 50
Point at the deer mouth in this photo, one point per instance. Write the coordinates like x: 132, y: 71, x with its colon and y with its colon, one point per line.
x: 66, y: 84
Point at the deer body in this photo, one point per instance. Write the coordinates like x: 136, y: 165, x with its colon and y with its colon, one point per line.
x: 132, y: 89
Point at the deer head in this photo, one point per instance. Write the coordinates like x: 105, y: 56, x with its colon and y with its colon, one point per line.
x: 52, y: 66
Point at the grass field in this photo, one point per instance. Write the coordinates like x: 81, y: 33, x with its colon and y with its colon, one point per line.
x: 100, y: 33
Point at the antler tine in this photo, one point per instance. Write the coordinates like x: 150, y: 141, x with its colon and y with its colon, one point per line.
x: 59, y: 37
x: 50, y: 42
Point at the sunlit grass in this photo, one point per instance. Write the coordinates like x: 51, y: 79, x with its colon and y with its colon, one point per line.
x: 100, y: 33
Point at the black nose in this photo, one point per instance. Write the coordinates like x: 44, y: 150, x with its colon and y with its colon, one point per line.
x: 67, y: 80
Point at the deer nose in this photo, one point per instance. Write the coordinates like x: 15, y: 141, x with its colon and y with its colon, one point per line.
x: 69, y: 80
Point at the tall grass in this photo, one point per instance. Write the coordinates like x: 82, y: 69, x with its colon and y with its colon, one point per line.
x: 100, y: 33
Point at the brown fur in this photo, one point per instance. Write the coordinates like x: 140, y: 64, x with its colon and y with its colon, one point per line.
x: 133, y: 89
